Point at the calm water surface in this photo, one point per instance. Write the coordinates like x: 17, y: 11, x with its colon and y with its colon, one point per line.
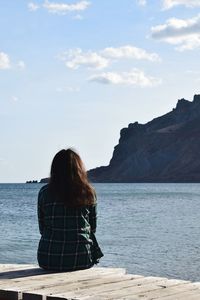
x: 150, y: 229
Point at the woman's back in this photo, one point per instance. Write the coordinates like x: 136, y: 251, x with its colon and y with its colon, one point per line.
x: 65, y: 243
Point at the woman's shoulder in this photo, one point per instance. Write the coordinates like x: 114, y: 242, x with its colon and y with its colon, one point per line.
x: 43, y: 192
x: 44, y: 189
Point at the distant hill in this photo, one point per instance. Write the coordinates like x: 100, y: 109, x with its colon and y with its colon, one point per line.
x: 166, y: 149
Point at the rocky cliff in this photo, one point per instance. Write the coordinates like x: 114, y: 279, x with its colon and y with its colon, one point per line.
x: 166, y: 149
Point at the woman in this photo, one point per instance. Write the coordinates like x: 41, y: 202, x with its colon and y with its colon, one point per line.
x: 67, y: 217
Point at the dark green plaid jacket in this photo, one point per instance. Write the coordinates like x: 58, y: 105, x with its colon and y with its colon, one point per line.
x: 65, y: 243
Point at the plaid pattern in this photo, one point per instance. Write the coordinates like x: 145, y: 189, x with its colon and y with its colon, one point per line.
x: 65, y: 243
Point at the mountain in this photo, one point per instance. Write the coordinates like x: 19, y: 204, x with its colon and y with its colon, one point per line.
x: 166, y: 149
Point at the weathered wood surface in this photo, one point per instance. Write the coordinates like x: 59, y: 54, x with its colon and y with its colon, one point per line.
x: 28, y: 282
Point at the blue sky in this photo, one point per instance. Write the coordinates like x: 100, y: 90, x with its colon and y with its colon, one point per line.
x: 74, y: 73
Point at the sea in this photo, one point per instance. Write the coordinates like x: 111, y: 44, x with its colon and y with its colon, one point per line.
x: 149, y: 229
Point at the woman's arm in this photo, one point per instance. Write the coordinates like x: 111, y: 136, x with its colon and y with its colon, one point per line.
x: 40, y: 213
x: 93, y: 218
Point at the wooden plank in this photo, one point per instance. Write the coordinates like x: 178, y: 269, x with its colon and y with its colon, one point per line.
x: 97, y: 283
x: 5, y: 267
x: 131, y: 292
x: 191, y: 293
x: 80, y: 284
x: 13, y: 267
x: 181, y: 296
x: 42, y: 277
x: 23, y: 273
x: 83, y: 274
x: 27, y: 266
x: 170, y: 293
x: 56, y: 279
x: 33, y: 271
x: 76, y: 285
x: 170, y: 287
x: 55, y: 283
x: 113, y: 289
x: 139, y: 292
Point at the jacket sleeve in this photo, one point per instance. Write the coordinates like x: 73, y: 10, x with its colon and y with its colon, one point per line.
x: 93, y: 218
x: 93, y: 214
x: 40, y: 213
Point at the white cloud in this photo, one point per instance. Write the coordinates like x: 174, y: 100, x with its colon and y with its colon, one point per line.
x: 4, y: 61
x: 129, y: 52
x: 182, y: 32
x: 134, y: 78
x: 75, y: 58
x: 63, y: 8
x: 142, y: 2
x: 33, y: 6
x: 167, y: 4
x: 21, y: 65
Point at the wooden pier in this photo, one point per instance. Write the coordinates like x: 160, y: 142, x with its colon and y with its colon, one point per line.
x: 28, y: 282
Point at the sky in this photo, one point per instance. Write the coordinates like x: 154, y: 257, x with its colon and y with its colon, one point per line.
x: 73, y: 73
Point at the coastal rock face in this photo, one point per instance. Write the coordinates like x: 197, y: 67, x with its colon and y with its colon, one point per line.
x: 166, y: 149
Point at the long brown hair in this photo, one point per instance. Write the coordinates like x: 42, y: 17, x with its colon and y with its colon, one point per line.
x: 68, y: 180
